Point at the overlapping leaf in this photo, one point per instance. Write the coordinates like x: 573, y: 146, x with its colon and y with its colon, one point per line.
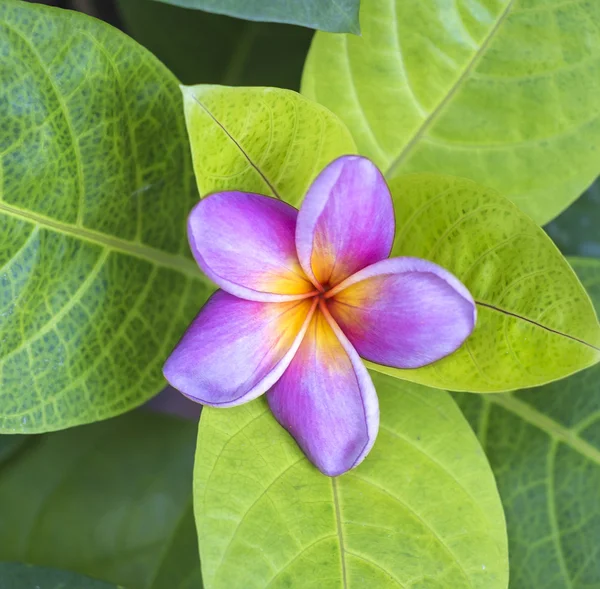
x: 22, y: 576
x: 535, y: 321
x: 421, y: 511
x: 338, y: 16
x: 504, y: 92
x: 544, y: 447
x: 96, y: 282
x: 110, y: 500
x: 263, y: 140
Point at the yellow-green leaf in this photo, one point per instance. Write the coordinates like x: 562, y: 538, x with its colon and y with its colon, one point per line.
x: 535, y: 321
x: 422, y: 510
x: 504, y: 92
x: 263, y: 140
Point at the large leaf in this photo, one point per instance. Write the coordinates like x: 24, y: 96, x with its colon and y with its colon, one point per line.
x: 421, y: 511
x: 544, y: 447
x: 535, y: 321
x: 263, y: 140
x: 204, y: 48
x: 110, y: 500
x: 96, y: 282
x: 575, y: 231
x: 338, y: 16
x: 22, y: 576
x: 504, y: 92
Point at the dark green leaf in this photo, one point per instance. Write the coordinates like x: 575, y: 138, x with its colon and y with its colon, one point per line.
x: 336, y: 16
x: 111, y: 500
x: 23, y: 576
x: 544, y: 447
x: 9, y: 445
x: 96, y: 280
x: 204, y: 48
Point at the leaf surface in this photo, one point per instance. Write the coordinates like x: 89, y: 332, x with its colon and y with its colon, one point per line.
x: 544, y: 447
x: 110, y: 500
x: 262, y: 140
x: 337, y: 16
x: 96, y: 281
x: 421, y: 511
x: 535, y: 320
x: 504, y: 92
x: 23, y: 576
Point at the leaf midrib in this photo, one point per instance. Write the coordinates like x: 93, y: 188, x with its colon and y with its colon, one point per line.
x: 551, y: 427
x: 139, y: 250
x: 399, y: 159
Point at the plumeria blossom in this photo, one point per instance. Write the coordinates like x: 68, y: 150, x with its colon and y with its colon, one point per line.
x: 303, y: 296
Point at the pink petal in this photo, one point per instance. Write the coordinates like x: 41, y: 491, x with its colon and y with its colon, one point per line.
x: 346, y: 221
x: 403, y: 312
x: 326, y: 399
x: 236, y: 349
x: 245, y: 243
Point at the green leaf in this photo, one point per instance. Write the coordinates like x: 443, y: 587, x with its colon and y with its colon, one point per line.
x: 544, y: 447
x: 23, y: 576
x: 535, y: 321
x: 421, y: 511
x: 263, y: 140
x: 204, y: 48
x: 110, y: 500
x: 10, y: 445
x: 337, y: 16
x: 575, y: 231
x: 96, y: 281
x: 504, y: 92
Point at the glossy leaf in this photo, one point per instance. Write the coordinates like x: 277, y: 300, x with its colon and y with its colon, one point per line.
x: 204, y: 48
x: 504, y: 92
x: 544, y: 447
x: 96, y: 280
x: 110, y: 500
x: 263, y: 140
x: 535, y: 321
x: 421, y: 511
x: 23, y: 576
x: 338, y: 16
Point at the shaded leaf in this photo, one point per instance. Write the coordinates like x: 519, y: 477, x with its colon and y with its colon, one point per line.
x: 504, y: 92
x: 263, y: 140
x: 535, y: 321
x: 421, y: 511
x: 204, y: 48
x: 544, y: 447
x: 110, y: 500
x: 10, y: 445
x: 96, y: 281
x: 337, y: 16
x: 23, y: 576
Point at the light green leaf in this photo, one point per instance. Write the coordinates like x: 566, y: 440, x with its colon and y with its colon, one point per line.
x: 23, y: 576
x: 337, y: 16
x: 504, y: 92
x: 544, y: 447
x: 204, y: 48
x: 535, y: 321
x: 96, y: 281
x: 110, y: 500
x: 421, y: 511
x: 263, y: 140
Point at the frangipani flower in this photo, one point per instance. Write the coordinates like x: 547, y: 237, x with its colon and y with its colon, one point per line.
x: 304, y: 294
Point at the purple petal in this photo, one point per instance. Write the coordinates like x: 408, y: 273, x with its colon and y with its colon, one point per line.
x: 403, y: 312
x: 326, y: 399
x: 237, y: 349
x: 245, y: 243
x: 346, y: 221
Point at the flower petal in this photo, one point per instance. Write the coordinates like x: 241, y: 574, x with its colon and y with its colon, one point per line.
x: 245, y: 243
x: 326, y: 399
x: 236, y: 349
x: 346, y: 221
x: 403, y: 312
